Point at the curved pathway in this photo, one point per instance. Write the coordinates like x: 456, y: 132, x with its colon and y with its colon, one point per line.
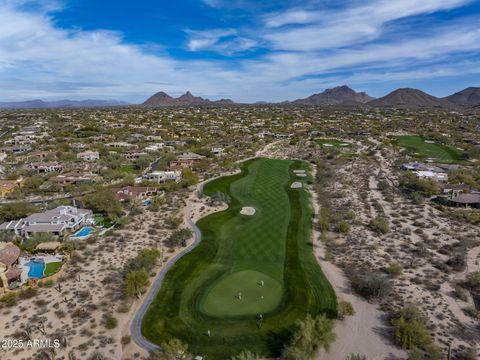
x: 136, y: 326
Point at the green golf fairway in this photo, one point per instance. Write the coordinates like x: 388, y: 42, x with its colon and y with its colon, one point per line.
x: 422, y: 150
x: 217, y: 287
x: 332, y: 142
x: 241, y: 293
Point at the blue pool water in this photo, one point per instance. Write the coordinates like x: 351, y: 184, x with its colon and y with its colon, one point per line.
x: 36, y: 269
x: 85, y: 231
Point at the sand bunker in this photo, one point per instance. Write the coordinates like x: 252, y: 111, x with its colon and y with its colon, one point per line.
x: 249, y: 211
x: 328, y: 145
x: 299, y: 171
x: 296, y: 185
x: 302, y: 175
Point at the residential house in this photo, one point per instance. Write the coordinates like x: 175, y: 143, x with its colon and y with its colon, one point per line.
x: 60, y: 221
x: 3, y: 156
x: 431, y: 175
x: 217, y: 150
x: 137, y: 192
x: 466, y: 200
x: 45, y: 167
x: 75, y: 178
x: 153, y: 138
x: 154, y: 147
x: 9, y: 273
x: 133, y: 155
x: 163, y: 176
x: 88, y: 156
x: 7, y: 186
x: 186, y: 160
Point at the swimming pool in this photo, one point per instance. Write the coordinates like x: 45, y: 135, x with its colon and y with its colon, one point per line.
x: 85, y: 231
x: 36, y: 269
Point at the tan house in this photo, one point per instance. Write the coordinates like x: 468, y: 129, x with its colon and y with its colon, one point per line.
x: 88, y: 156
x: 7, y: 186
x: 9, y: 254
x: 186, y: 160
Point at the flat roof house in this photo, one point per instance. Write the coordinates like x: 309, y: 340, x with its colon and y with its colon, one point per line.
x: 88, y: 155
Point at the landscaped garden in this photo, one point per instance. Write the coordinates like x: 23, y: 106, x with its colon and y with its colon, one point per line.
x: 252, y: 276
x: 422, y: 149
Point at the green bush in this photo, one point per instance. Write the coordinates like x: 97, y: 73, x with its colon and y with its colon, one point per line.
x: 345, y: 308
x: 375, y: 286
x: 473, y: 281
x: 179, y: 238
x: 110, y: 322
x: 9, y: 299
x: 379, y: 225
x: 395, y: 269
x: 410, y: 329
x: 27, y: 293
x: 342, y: 227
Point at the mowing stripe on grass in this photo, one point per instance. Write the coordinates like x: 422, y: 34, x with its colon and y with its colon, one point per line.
x: 201, y: 291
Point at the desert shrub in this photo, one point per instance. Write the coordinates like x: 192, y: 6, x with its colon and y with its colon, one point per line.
x: 179, y: 238
x: 110, y: 322
x: 473, y: 281
x: 395, y: 269
x: 413, y: 184
x: 9, y: 299
x: 145, y: 260
x: 344, y: 308
x: 379, y: 225
x: 309, y: 336
x: 27, y: 293
x: 342, y: 227
x: 126, y: 340
x: 410, y: 329
x: 374, y: 286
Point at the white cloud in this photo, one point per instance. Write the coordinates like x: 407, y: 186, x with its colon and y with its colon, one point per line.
x: 352, y: 25
x: 40, y: 60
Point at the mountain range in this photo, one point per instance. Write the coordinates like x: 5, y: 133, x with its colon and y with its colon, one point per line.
x: 340, y: 95
x: 163, y: 99
x: 337, y: 96
x: 40, y: 104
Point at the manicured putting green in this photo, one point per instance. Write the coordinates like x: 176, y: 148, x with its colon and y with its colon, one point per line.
x: 332, y: 142
x: 199, y: 295
x: 242, y: 293
x: 423, y: 149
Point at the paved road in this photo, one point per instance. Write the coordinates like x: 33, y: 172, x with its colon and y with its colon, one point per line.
x: 136, y: 327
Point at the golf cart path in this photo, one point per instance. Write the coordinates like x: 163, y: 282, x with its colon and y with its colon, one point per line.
x: 367, y: 332
x: 136, y: 324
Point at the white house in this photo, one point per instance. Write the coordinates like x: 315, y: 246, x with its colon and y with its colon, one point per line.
x: 88, y: 156
x: 430, y: 175
x: 59, y: 221
x: 163, y: 176
x: 154, y: 147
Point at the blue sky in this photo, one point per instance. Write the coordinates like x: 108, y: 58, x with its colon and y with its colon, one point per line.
x: 247, y: 50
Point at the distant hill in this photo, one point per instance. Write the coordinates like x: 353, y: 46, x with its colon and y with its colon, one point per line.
x: 467, y: 97
x: 40, y: 104
x: 162, y: 99
x: 410, y: 98
x: 340, y: 95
